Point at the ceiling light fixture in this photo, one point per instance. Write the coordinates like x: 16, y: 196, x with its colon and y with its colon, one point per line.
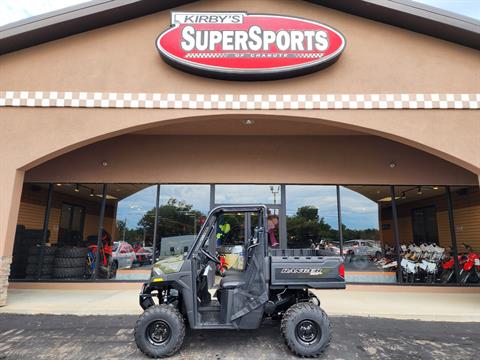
x: 248, y: 122
x: 388, y: 199
x: 59, y: 184
x: 392, y: 164
x: 104, y: 163
x: 435, y: 188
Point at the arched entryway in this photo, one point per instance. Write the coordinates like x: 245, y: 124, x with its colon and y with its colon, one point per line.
x: 336, y: 164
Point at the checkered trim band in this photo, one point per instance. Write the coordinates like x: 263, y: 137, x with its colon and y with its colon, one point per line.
x: 205, y: 55
x: 237, y: 101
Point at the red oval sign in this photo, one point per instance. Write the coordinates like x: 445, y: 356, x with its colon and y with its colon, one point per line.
x: 241, y: 46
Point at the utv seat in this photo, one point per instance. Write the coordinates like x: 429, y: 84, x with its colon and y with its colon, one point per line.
x: 232, y: 279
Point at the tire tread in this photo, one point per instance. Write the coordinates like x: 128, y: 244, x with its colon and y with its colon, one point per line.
x: 162, y: 308
x: 291, y: 312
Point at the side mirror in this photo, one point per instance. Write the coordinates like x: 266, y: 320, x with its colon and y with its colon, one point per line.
x: 258, y: 232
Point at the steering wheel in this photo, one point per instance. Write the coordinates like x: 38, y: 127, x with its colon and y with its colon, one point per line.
x: 210, y: 256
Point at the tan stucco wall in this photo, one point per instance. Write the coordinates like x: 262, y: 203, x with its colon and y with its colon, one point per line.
x: 251, y: 159
x: 122, y: 57
x: 378, y: 59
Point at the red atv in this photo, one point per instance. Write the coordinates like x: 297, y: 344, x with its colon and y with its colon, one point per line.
x: 466, y: 262
x: 470, y: 272
x: 222, y: 267
x: 107, y: 267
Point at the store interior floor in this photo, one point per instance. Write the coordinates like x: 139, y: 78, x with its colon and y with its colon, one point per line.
x: 395, y: 302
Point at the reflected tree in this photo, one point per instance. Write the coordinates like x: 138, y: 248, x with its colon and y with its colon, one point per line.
x: 175, y: 218
x: 307, y: 227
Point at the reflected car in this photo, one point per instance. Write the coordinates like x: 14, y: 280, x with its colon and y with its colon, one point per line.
x: 123, y: 254
x: 363, y: 248
x: 332, y: 249
x: 144, y: 255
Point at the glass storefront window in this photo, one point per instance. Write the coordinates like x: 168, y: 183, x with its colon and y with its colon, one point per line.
x: 182, y: 212
x: 247, y: 194
x: 466, y: 210
x: 128, y: 231
x: 369, y: 253
x: 424, y: 234
x: 79, y: 207
x: 29, y: 235
x: 73, y: 223
x: 312, y: 217
x: 367, y: 231
x: 269, y: 195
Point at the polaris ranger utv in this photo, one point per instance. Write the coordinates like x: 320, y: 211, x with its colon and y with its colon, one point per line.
x: 265, y: 283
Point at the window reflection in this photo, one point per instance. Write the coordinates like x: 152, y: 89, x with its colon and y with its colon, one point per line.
x: 312, y: 218
x: 182, y: 212
x: 369, y: 256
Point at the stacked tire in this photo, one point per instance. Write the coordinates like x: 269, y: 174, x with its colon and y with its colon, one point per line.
x: 70, y: 263
x: 33, y: 262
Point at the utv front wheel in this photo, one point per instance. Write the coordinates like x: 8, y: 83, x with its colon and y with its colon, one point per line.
x: 159, y: 331
x: 306, y: 329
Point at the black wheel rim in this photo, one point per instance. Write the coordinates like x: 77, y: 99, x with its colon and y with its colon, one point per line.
x: 308, y: 332
x: 158, y: 332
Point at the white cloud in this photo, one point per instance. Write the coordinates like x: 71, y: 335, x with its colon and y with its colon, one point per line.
x: 15, y: 10
x: 469, y: 8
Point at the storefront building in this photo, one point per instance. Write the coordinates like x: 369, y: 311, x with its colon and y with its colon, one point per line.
x: 371, y: 152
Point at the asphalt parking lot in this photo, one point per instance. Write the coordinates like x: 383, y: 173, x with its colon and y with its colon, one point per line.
x: 108, y: 337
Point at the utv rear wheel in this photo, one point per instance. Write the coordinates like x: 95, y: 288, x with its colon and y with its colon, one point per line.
x: 159, y: 331
x: 306, y: 329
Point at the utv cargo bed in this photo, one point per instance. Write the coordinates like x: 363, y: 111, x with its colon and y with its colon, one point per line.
x: 300, y: 268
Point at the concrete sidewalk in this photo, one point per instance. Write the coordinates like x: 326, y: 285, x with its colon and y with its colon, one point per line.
x: 394, y: 302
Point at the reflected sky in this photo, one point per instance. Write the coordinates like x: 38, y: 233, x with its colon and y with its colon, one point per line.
x: 358, y: 212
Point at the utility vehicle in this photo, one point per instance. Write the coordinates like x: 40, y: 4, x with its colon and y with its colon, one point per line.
x: 183, y: 290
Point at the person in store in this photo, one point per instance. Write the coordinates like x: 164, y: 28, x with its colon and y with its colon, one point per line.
x: 272, y: 224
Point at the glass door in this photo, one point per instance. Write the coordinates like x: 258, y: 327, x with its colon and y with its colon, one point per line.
x: 72, y: 219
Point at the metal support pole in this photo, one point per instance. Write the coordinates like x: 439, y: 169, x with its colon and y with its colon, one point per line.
x: 155, y: 225
x: 396, y: 236
x: 212, y: 240
x: 46, y: 220
x: 212, y: 196
x: 282, y: 228
x: 100, y: 230
x: 340, y: 224
x: 453, y: 235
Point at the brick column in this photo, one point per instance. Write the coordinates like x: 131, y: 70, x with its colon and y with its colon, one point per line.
x: 5, y: 262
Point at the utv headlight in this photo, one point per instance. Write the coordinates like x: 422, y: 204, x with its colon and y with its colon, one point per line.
x: 157, y: 271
